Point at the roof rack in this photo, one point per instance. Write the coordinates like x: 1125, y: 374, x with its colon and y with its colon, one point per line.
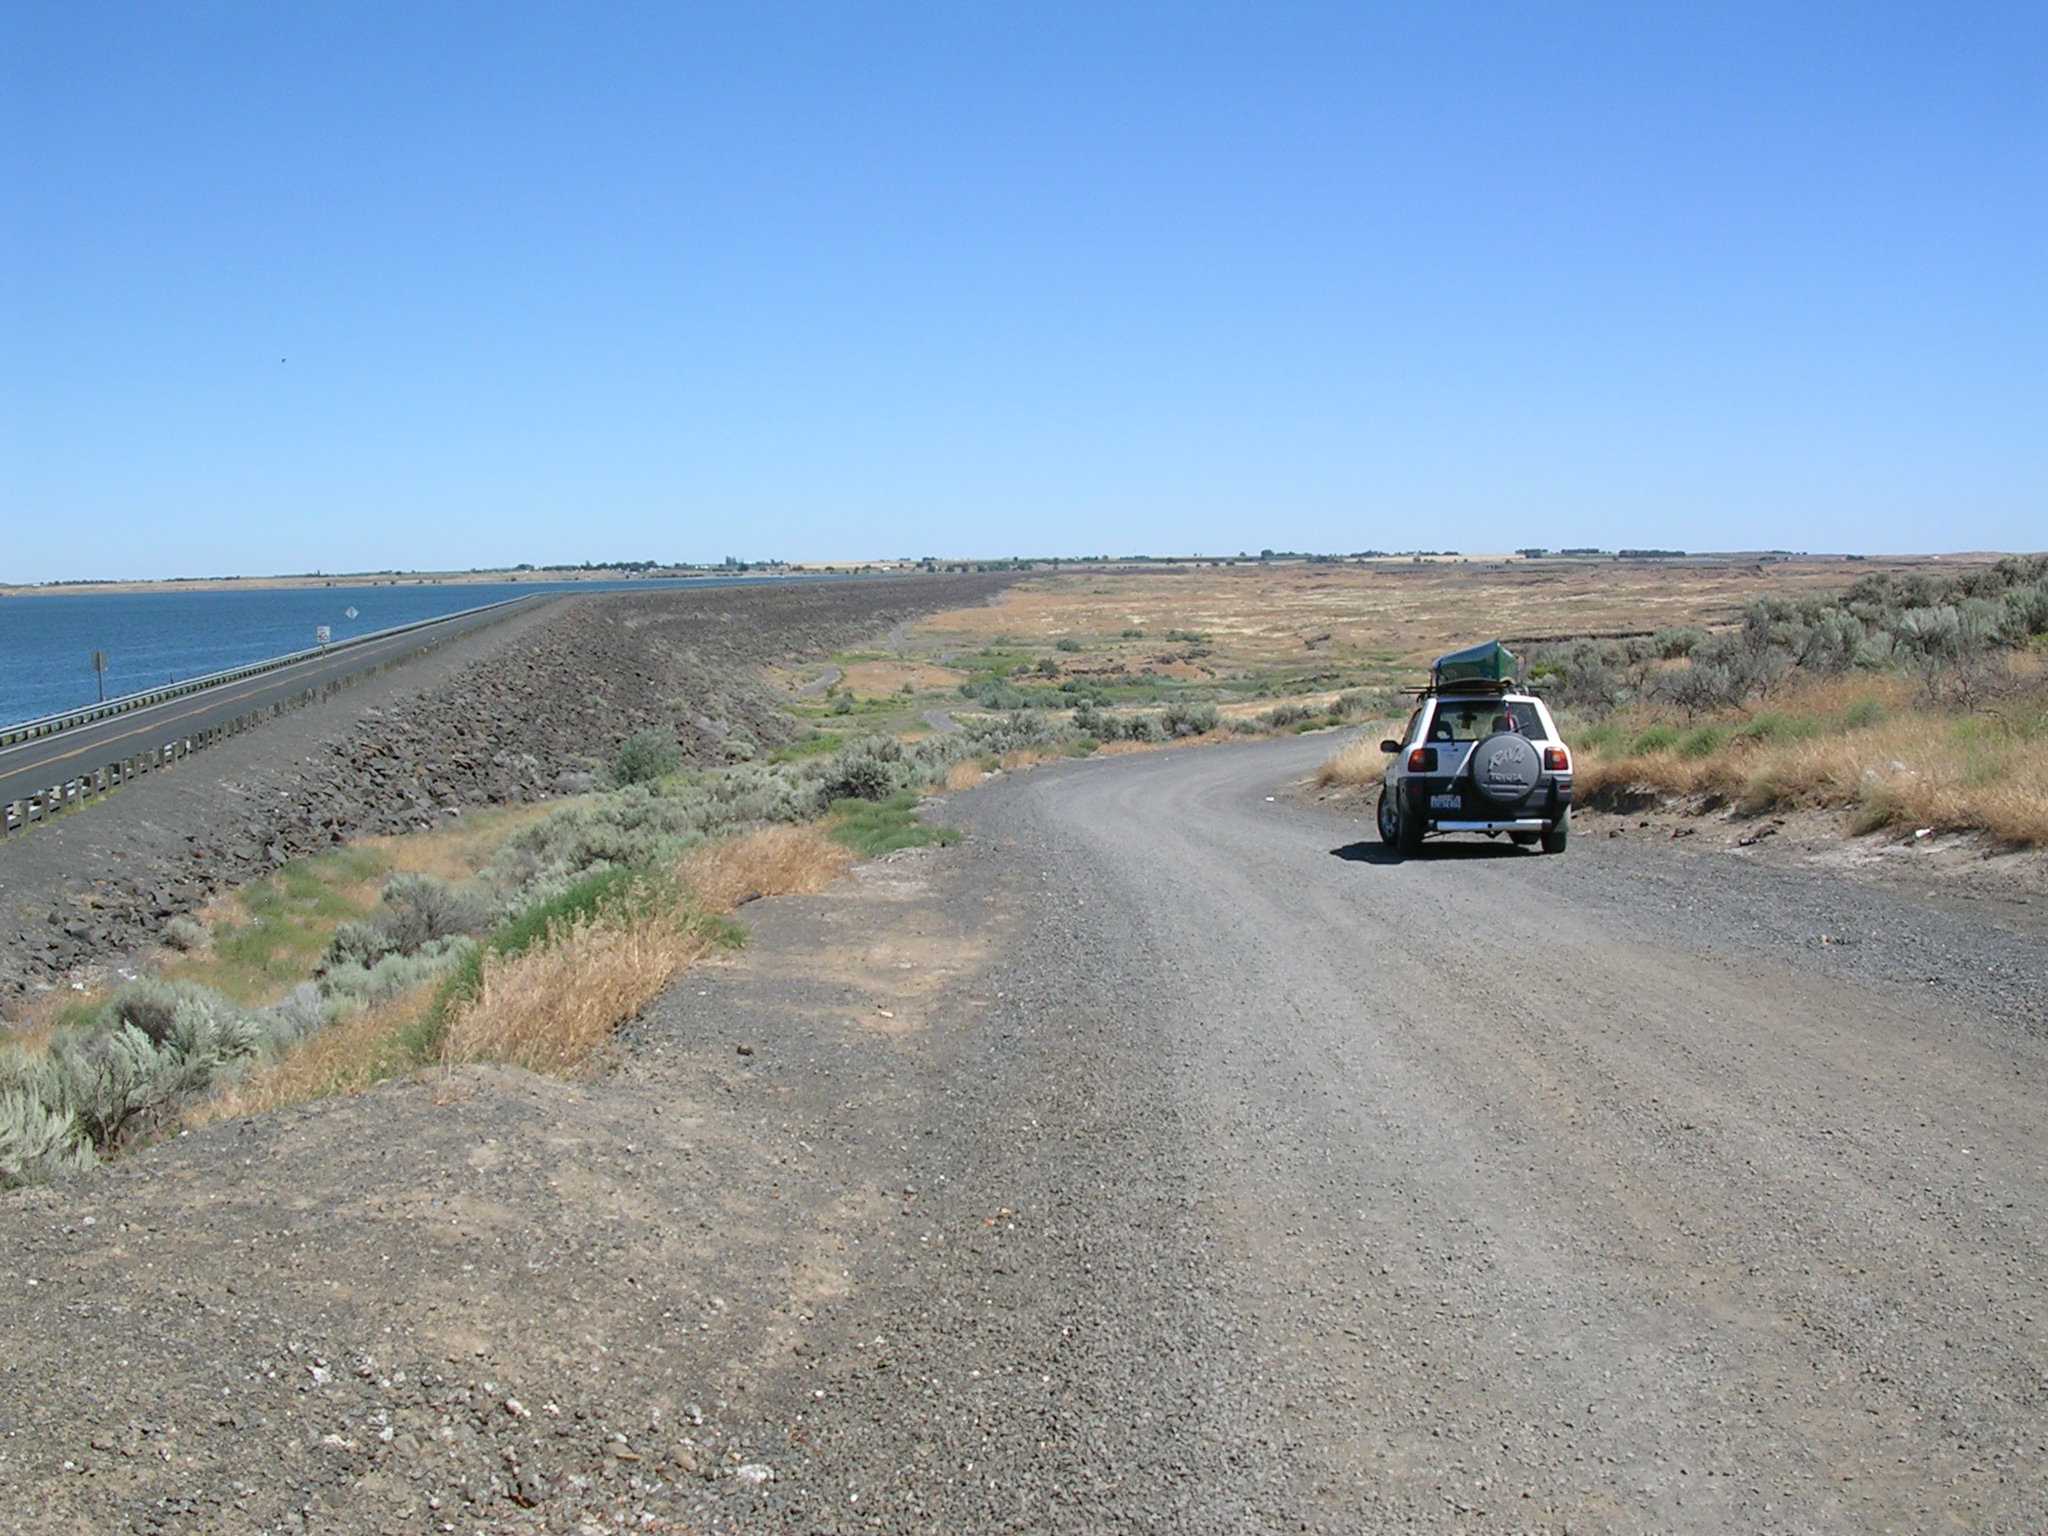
x: 1477, y: 687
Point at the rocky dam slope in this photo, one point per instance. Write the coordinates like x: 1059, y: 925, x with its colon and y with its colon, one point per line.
x: 517, y: 712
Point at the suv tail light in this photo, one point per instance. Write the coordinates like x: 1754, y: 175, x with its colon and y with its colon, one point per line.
x: 1422, y: 760
x: 1557, y: 760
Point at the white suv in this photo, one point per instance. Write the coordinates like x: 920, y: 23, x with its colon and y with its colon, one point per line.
x: 1477, y: 759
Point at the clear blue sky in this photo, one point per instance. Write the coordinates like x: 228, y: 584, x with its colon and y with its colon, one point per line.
x: 593, y: 281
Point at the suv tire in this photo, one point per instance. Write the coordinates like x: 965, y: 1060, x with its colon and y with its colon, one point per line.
x: 1559, y: 834
x: 1407, y: 831
x: 1389, y: 818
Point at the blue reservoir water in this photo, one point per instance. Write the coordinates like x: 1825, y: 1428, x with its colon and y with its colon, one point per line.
x: 153, y: 638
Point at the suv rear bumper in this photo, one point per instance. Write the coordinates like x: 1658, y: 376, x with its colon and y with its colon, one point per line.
x: 1546, y: 804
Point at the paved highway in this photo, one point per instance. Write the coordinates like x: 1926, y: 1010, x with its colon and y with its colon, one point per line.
x: 36, y: 766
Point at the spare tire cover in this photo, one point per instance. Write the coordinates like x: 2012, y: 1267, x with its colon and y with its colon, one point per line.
x: 1506, y: 768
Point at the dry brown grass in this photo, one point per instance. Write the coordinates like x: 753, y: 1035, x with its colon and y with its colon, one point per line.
x: 1019, y: 758
x: 554, y: 1007
x: 769, y: 861
x: 1357, y: 766
x: 964, y: 775
x: 41, y: 1017
x: 879, y: 679
x: 1259, y: 617
x: 349, y: 1056
x: 1914, y: 766
x: 457, y: 850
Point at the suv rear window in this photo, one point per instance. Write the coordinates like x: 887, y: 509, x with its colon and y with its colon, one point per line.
x: 1476, y: 719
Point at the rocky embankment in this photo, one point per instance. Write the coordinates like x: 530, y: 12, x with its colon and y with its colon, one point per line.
x: 514, y: 714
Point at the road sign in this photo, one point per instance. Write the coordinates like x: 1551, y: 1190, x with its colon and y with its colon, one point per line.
x: 322, y: 635
x: 348, y: 613
x: 99, y: 665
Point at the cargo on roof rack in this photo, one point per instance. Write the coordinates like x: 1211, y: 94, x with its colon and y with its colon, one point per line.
x: 1490, y: 666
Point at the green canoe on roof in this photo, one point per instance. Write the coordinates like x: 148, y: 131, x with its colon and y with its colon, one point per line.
x: 1488, y: 663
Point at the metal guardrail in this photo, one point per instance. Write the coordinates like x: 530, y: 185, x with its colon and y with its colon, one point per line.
x: 19, y: 815
x: 91, y: 714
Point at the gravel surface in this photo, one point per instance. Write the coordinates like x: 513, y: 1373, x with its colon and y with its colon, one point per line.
x: 520, y: 711
x: 1164, y: 1158
x: 1267, y: 1183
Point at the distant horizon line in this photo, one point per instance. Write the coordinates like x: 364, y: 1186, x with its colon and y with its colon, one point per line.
x: 685, y: 569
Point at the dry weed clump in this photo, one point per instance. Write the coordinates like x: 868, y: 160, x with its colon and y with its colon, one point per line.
x: 768, y: 861
x: 1849, y: 746
x: 553, y: 1007
x: 1359, y: 764
x: 347, y: 1057
x: 964, y: 775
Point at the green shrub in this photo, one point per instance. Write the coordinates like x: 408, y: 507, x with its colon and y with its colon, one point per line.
x: 1863, y: 714
x: 639, y: 826
x: 1606, y: 737
x: 1673, y: 643
x: 1007, y: 696
x: 646, y: 756
x: 185, y: 935
x: 126, y: 1069
x: 1134, y: 634
x: 870, y: 769
x: 1776, y: 725
x: 1183, y: 718
x: 1064, y: 643
x: 354, y: 984
x: 1702, y: 741
x: 360, y: 944
x: 1657, y: 738
x: 150, y: 1007
x: 1114, y: 727
x: 418, y: 909
x: 39, y: 1141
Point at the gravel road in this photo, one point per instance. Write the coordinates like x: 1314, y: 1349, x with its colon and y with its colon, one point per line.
x: 1272, y: 1184
x: 1161, y: 1159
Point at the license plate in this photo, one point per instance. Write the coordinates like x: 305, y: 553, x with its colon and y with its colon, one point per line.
x: 1444, y: 802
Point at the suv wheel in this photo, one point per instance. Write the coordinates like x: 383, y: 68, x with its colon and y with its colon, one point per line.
x: 1559, y: 834
x: 1407, y: 832
x: 1390, y: 819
